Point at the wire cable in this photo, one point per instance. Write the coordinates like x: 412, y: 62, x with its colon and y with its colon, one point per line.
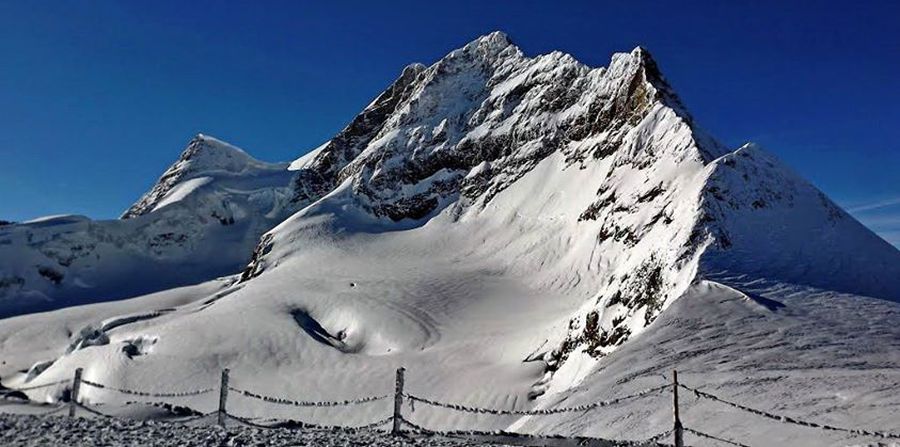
x: 542, y: 412
x: 714, y: 438
x: 147, y: 393
x: 790, y: 420
x: 296, y: 403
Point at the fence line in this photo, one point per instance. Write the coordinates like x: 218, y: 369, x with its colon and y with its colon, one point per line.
x: 291, y: 423
x: 399, y: 420
x: 790, y: 420
x: 195, y: 418
x: 247, y: 421
x: 282, y: 401
x: 172, y: 408
x: 93, y: 411
x: 657, y: 438
x: 503, y: 433
x: 54, y: 410
x: 147, y: 393
x: 37, y: 387
x: 714, y: 438
x: 542, y: 412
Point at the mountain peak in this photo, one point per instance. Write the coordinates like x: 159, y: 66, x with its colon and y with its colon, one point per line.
x: 206, y: 144
x: 641, y: 51
x: 495, y: 38
x: 642, y: 57
x: 412, y: 69
x: 202, y: 156
x: 639, y: 66
x: 489, y: 47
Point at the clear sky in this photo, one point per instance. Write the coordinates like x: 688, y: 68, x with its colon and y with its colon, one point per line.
x: 98, y: 98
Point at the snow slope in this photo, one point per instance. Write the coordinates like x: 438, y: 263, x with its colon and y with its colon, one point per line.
x: 518, y: 233
x: 797, y: 351
x: 200, y: 221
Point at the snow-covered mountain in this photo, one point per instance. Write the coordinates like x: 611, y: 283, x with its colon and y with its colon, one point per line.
x: 201, y: 220
x: 653, y: 197
x: 518, y: 232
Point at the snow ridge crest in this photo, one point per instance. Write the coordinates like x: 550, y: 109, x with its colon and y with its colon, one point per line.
x: 203, y: 155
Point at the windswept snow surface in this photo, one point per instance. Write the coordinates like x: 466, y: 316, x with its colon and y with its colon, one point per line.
x: 519, y: 233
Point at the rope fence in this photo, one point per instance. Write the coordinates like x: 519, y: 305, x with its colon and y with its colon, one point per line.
x: 300, y: 424
x: 53, y: 410
x: 248, y: 422
x: 582, y: 440
x: 401, y: 424
x: 790, y: 420
x: 37, y: 387
x: 541, y: 412
x: 146, y: 393
x: 714, y: 438
x: 281, y: 401
x: 93, y: 411
x: 657, y: 438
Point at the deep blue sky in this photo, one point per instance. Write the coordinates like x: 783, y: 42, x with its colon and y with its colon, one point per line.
x: 98, y: 98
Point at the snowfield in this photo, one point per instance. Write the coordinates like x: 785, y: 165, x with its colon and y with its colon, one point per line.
x: 528, y: 237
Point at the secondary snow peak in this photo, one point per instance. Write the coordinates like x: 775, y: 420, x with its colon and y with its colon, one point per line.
x: 207, y: 211
x: 203, y: 156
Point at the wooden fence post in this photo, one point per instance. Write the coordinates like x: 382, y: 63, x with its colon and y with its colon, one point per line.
x: 678, y: 429
x: 76, y: 386
x: 223, y: 396
x: 398, y: 401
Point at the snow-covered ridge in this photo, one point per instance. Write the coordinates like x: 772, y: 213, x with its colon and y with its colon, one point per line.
x: 203, y: 156
x: 769, y: 221
x: 200, y: 221
x: 485, y: 104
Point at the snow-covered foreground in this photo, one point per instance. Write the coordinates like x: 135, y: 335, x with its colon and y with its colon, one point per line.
x: 35, y: 431
x: 794, y: 351
x: 808, y: 354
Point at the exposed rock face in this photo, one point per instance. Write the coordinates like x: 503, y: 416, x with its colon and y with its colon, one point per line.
x: 479, y: 119
x: 466, y: 128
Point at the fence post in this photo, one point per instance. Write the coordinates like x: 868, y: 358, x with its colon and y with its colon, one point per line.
x: 398, y: 401
x: 223, y: 396
x: 76, y: 385
x: 678, y: 429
